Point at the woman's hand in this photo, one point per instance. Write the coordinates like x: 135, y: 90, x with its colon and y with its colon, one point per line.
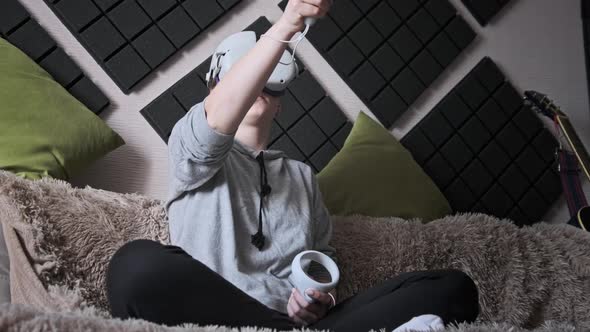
x: 297, y: 10
x: 305, y: 313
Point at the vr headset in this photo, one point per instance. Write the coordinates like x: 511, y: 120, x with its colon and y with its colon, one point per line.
x: 234, y: 47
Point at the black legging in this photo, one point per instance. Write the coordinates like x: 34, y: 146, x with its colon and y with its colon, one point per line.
x: 165, y: 285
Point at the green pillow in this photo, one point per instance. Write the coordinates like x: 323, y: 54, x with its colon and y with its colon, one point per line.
x: 44, y: 131
x: 374, y: 175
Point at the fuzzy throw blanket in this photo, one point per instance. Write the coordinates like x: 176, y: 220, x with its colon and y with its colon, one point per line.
x: 60, y: 240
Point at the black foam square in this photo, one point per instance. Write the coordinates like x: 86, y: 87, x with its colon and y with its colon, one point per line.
x: 426, y: 67
x: 365, y: 5
x: 420, y: 146
x: 190, y: 91
x: 61, y: 67
x: 405, y: 43
x: 157, y: 8
x: 549, y: 185
x: 129, y: 18
x: 441, y: 10
x: 308, y: 135
x: 494, y: 158
x: 472, y: 92
x: 341, y: 135
x: 475, y: 134
x: 459, y: 196
x: 105, y: 5
x: 345, y: 56
x: 508, y: 98
x: 514, y: 182
x: 307, y: 90
x: 404, y: 8
x: 11, y: 15
x: 78, y: 13
x: 204, y: 12
x: 365, y: 37
x: 492, y: 116
x: 275, y: 132
x: 285, y: 144
x: 528, y: 123
x: 384, y: 19
x: 32, y: 40
x: 328, y: 116
x: 530, y: 162
x: 163, y: 114
x: 127, y: 67
x: 408, y: 86
x: 483, y: 10
x: 88, y: 94
x: 423, y: 25
x: 511, y: 140
x: 324, y: 34
x: 443, y: 49
x: 497, y: 202
x: 178, y: 27
x: 388, y: 106
x: 454, y: 109
x: 477, y: 178
x: 436, y: 128
x: 103, y: 38
x: 367, y: 81
x: 153, y: 46
x: 460, y: 32
x: 489, y: 75
x: 323, y: 155
x: 228, y: 4
x: 290, y: 112
x: 533, y: 205
x: 518, y: 217
x: 440, y: 171
x: 345, y: 14
x: 387, y: 62
x: 457, y: 153
x: 546, y: 145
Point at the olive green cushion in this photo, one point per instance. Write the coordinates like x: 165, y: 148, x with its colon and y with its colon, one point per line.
x: 375, y: 175
x: 44, y: 131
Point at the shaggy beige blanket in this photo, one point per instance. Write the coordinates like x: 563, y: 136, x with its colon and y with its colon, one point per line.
x: 60, y: 240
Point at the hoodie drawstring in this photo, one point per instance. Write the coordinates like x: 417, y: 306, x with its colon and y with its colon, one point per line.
x: 259, y: 238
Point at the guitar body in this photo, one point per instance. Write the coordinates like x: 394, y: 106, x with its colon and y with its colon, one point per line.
x: 582, y: 219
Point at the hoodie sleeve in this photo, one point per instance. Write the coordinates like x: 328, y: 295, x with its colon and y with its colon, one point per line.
x: 322, y: 234
x: 196, y: 151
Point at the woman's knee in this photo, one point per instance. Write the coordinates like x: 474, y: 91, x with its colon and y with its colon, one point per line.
x: 463, y: 291
x: 131, y: 273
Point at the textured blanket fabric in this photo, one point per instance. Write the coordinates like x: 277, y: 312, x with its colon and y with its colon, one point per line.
x: 526, y: 276
x: 15, y: 318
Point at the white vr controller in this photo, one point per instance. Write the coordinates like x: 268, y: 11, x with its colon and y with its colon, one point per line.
x: 300, y: 280
x: 235, y: 47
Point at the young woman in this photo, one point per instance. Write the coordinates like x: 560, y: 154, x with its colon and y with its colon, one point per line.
x: 239, y: 214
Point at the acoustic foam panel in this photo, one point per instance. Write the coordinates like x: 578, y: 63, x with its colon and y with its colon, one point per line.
x: 131, y: 38
x: 488, y: 151
x: 310, y: 128
x: 390, y: 51
x: 19, y: 28
x: 484, y: 10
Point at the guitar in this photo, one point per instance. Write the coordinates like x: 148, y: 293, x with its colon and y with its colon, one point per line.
x: 569, y: 163
x: 547, y: 107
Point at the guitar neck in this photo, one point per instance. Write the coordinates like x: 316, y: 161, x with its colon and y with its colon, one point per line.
x: 576, y: 144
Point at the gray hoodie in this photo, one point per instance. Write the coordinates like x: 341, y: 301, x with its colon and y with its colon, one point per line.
x: 213, y: 209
